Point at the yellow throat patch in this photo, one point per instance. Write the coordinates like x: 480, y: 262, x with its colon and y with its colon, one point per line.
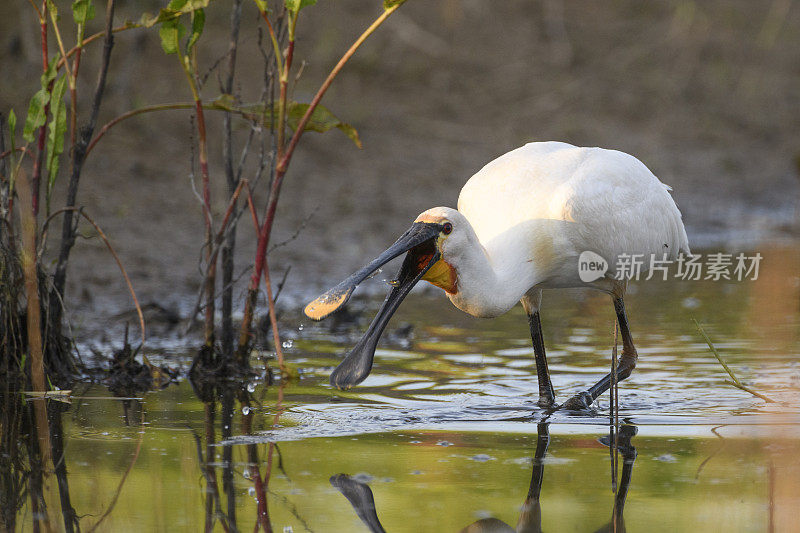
x: 443, y: 275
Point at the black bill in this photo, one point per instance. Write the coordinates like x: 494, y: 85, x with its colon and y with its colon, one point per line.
x: 420, y: 240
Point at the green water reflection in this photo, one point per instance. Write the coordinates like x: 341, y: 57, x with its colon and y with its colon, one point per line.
x: 444, y: 434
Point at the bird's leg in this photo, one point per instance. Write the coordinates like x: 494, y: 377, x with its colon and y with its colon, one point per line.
x: 530, y: 516
x: 547, y: 396
x: 626, y: 364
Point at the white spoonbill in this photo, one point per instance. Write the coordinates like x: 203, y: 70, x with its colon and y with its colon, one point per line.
x: 521, y: 225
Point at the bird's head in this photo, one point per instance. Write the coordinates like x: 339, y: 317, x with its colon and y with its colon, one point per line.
x: 428, y: 242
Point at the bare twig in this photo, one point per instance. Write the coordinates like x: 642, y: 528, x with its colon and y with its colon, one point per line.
x: 233, y: 181
x: 121, y: 269
x: 736, y: 383
x: 122, y: 481
x: 78, y: 157
x: 280, y: 172
x: 92, y: 38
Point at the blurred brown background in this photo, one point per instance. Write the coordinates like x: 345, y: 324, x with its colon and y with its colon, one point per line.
x: 706, y: 94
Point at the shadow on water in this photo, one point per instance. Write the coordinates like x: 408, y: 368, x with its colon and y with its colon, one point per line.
x: 32, y: 461
x: 361, y: 498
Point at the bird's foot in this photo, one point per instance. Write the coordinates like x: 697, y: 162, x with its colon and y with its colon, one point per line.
x: 546, y: 401
x: 580, y: 402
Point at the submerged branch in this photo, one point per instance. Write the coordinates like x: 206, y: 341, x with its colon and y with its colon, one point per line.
x: 736, y: 383
x: 122, y: 481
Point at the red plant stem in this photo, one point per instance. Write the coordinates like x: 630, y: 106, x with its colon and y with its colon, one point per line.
x: 261, y: 498
x: 201, y: 131
x: 280, y: 172
x: 159, y: 107
x: 273, y: 318
x: 133, y: 113
x: 23, y: 149
x: 284, y: 89
x: 73, y: 96
x: 284, y: 162
x: 212, y: 267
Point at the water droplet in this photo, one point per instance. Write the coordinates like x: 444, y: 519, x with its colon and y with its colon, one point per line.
x: 251, y: 387
x: 251, y: 491
x: 444, y: 443
x: 300, y: 328
x: 666, y: 458
x: 287, y: 344
x: 245, y: 410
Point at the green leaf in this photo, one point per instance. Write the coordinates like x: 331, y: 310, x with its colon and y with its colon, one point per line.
x: 175, y: 9
x: 296, y: 5
x: 12, y: 123
x: 36, y: 114
x: 51, y: 7
x: 389, y: 4
x: 198, y: 21
x: 82, y: 11
x: 322, y: 120
x: 56, y: 130
x: 49, y: 74
x: 225, y: 102
x: 262, y: 6
x: 171, y: 33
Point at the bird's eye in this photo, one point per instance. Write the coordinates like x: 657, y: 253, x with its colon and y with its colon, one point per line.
x: 448, y: 227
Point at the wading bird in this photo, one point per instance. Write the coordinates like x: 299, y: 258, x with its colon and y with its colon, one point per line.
x: 538, y: 217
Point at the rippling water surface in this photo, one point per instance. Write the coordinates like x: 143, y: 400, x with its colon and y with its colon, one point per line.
x: 445, y: 434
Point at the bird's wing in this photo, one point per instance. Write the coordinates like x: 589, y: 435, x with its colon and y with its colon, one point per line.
x: 620, y: 207
x: 578, y: 198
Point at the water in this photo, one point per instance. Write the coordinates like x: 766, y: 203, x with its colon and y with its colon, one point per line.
x: 445, y: 436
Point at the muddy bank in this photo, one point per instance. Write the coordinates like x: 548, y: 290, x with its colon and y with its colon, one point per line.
x: 704, y: 93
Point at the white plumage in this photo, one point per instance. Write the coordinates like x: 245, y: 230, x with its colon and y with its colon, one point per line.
x: 535, y: 209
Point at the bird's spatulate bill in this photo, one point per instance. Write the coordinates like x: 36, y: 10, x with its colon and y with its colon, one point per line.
x: 357, y: 365
x: 335, y: 298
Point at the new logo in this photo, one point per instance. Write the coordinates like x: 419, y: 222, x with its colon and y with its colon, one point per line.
x: 591, y: 266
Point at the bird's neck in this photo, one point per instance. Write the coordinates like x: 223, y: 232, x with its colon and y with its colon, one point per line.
x: 491, y: 282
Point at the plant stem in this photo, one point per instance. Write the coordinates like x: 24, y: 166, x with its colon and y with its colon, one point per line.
x: 28, y: 259
x: 91, y: 39
x: 79, y: 152
x: 233, y: 183
x: 736, y: 383
x: 40, y: 143
x: 751, y: 391
x: 189, y: 64
x: 73, y: 87
x: 133, y: 113
x: 61, y: 48
x: 280, y: 172
x: 276, y: 49
x: 284, y: 163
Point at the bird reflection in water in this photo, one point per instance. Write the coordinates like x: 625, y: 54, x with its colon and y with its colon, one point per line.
x: 530, y: 518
